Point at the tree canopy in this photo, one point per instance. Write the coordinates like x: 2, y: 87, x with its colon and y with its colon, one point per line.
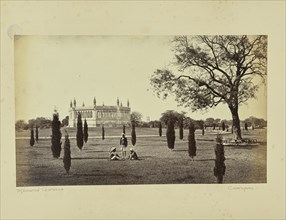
x: 209, y: 70
x: 136, y: 118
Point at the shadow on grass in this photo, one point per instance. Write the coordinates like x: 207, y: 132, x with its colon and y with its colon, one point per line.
x: 213, y: 159
x: 205, y: 160
x: 181, y: 150
x: 89, y: 158
x: 184, y: 179
x: 246, y: 147
x: 98, y: 174
x: 202, y: 139
x: 97, y: 151
x: 144, y: 157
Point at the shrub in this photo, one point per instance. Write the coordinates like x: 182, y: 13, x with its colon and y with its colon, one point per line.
x: 79, y: 134
x: 85, y: 131
x: 170, y: 133
x: 56, y: 136
x: 37, y: 134
x: 223, y: 126
x: 103, y: 132
x: 219, y: 169
x: 67, y: 154
x: 192, y: 142
x: 160, y: 129
x: 181, y: 130
x: 32, y: 140
x: 133, y: 135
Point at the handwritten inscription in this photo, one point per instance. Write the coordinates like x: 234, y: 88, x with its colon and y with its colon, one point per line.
x: 41, y: 189
x: 244, y: 188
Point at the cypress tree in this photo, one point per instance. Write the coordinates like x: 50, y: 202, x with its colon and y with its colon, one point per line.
x: 160, y: 129
x: 67, y: 154
x: 32, y: 140
x: 214, y: 127
x: 37, y: 134
x: 170, y: 133
x: 103, y: 132
x: 192, y: 142
x: 133, y: 135
x: 85, y: 131
x: 79, y: 134
x: 181, y: 130
x: 56, y: 136
x: 245, y: 126
x: 123, y: 130
x: 219, y: 169
x: 223, y: 126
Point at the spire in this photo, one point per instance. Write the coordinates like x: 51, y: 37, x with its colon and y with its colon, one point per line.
x: 83, y: 104
x: 56, y: 110
x: 71, y: 104
x: 117, y: 101
x: 94, y: 101
x: 128, y: 104
x: 74, y: 102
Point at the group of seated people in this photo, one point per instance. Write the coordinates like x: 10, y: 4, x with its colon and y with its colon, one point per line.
x: 114, y: 156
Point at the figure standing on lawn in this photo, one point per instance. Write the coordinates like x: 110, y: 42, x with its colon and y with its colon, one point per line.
x: 124, y: 143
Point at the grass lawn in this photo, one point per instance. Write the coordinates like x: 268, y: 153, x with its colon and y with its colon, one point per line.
x: 35, y: 165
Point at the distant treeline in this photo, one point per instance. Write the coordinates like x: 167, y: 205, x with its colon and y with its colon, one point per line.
x: 42, y: 122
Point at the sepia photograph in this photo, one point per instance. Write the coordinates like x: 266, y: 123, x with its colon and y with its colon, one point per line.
x: 104, y: 110
x: 142, y: 109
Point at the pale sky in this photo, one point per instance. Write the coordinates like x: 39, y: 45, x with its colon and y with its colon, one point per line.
x: 52, y: 70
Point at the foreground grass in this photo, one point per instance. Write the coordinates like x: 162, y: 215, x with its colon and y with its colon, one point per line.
x: 157, y: 165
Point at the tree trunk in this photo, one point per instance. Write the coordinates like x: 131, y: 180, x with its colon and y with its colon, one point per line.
x: 219, y: 179
x: 236, y: 123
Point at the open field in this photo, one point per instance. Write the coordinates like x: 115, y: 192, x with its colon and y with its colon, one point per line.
x: 35, y: 165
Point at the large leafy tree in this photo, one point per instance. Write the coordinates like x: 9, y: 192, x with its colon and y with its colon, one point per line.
x: 209, y: 70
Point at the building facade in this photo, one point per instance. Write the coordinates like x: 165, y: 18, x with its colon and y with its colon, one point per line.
x: 111, y: 116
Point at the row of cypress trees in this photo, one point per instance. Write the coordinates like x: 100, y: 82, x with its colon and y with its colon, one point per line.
x: 170, y: 118
x: 81, y: 134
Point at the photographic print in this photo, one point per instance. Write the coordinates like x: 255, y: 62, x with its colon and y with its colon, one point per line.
x: 133, y: 109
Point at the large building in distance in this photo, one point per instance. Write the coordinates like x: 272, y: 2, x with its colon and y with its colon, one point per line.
x: 95, y: 115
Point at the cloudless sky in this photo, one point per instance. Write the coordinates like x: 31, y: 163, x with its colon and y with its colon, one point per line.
x: 50, y: 71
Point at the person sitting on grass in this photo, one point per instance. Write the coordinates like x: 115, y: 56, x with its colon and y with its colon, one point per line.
x: 133, y: 155
x: 113, y: 154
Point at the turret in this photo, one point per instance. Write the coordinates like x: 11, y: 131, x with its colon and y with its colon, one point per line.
x: 83, y: 104
x: 117, y: 101
x: 71, y: 104
x: 74, y: 102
